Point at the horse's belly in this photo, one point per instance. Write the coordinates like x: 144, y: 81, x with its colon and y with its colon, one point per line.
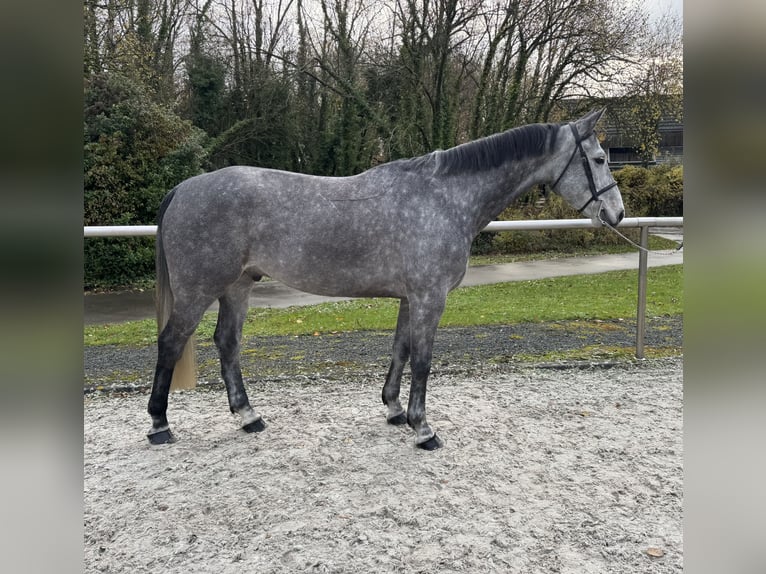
x: 336, y: 275
x: 339, y: 284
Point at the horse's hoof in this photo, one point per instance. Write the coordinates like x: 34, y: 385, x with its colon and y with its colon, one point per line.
x: 431, y: 444
x: 255, y: 426
x: 397, y: 420
x: 162, y: 437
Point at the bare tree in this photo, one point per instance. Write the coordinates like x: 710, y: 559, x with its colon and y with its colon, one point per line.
x: 387, y: 78
x: 432, y: 34
x: 651, y: 89
x: 543, y: 51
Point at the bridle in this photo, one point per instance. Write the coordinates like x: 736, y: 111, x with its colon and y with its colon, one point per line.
x: 594, y: 194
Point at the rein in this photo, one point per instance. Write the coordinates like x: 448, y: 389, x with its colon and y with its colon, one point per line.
x: 636, y: 245
x: 594, y: 194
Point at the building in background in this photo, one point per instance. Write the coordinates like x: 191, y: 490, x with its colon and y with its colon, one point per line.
x: 623, y: 149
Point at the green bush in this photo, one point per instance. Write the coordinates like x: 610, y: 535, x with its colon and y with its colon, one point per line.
x: 652, y: 192
x: 119, y: 262
x: 136, y: 150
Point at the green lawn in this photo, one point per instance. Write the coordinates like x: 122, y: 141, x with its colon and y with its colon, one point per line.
x: 601, y: 296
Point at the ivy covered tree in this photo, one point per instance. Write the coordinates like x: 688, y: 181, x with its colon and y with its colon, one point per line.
x: 136, y: 150
x: 203, y: 97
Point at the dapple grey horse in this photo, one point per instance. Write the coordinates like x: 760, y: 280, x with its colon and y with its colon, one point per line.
x: 402, y: 229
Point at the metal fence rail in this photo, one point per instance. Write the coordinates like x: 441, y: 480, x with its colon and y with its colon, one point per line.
x: 526, y: 225
x: 643, y: 223
x: 537, y: 224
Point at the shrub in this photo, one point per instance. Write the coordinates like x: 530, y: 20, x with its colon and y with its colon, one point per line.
x: 652, y: 192
x: 136, y: 150
x: 118, y: 262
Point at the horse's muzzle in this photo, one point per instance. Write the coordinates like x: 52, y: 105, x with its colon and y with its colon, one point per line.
x: 606, y: 219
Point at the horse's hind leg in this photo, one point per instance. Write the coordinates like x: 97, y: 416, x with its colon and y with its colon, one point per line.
x: 228, y: 336
x: 399, y: 357
x: 170, y: 345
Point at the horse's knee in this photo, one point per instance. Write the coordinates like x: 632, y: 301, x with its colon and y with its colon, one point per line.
x: 227, y: 342
x: 421, y: 369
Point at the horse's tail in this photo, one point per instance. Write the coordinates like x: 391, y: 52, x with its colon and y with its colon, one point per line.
x: 164, y: 297
x: 185, y: 371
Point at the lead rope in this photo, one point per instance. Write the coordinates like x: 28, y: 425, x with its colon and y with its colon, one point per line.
x: 636, y: 245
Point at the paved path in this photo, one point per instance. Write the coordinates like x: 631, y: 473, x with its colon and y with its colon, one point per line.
x: 128, y: 306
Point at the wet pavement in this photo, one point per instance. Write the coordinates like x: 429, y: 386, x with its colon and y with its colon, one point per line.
x: 100, y: 308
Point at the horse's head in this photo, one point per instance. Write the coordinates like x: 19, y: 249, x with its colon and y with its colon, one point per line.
x: 585, y: 181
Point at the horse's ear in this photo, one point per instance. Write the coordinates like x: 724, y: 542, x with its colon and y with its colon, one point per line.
x: 587, y: 123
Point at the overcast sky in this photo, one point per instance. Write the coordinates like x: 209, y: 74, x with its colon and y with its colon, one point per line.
x: 659, y: 7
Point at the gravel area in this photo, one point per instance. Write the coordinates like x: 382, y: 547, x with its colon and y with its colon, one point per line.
x: 368, y: 352
x: 548, y: 466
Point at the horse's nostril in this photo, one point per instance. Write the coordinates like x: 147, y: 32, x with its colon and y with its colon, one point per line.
x: 620, y: 215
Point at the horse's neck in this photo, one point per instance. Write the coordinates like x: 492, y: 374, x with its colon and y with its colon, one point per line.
x: 498, y: 188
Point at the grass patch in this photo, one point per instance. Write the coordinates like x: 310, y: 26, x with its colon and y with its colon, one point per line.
x: 608, y: 295
x: 602, y: 296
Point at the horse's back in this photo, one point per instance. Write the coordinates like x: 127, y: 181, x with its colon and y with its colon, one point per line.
x: 318, y: 234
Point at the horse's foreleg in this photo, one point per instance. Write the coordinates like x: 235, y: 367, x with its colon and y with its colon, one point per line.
x: 228, y: 336
x: 424, y: 318
x: 399, y: 357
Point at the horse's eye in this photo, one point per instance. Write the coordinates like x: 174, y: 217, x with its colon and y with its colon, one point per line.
x: 600, y: 160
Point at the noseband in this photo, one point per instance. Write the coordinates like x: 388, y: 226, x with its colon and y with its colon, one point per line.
x: 594, y: 194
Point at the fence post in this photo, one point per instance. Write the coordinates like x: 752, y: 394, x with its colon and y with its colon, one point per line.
x: 641, y: 310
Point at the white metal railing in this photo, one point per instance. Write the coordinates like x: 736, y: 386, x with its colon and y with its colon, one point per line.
x: 525, y: 225
x: 537, y: 224
x: 119, y: 230
x: 644, y: 223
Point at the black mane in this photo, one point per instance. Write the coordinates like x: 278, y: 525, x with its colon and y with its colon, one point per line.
x: 491, y: 151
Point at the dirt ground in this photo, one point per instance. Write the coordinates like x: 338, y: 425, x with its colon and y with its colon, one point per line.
x: 571, y: 470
